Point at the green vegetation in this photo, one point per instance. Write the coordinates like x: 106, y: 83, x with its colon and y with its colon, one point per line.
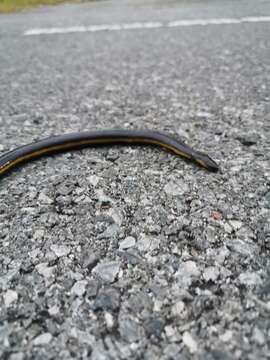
x: 17, y: 5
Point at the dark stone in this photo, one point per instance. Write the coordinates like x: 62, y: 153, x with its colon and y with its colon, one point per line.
x: 247, y: 140
x: 90, y: 260
x: 92, y: 288
x: 139, y: 302
x: 107, y: 299
x: 154, y: 327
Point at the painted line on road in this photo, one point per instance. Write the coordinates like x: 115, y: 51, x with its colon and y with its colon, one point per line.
x: 146, y: 25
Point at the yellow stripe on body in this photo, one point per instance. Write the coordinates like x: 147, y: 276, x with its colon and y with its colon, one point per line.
x: 104, y: 141
x: 202, y: 163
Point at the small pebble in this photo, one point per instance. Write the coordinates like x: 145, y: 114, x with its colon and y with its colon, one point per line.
x: 258, y: 336
x: 10, y: 297
x: 42, y: 339
x: 178, y: 188
x: 190, y: 343
x: 79, y: 288
x: 109, y: 320
x: 107, y: 271
x: 250, y: 279
x: 93, y: 180
x: 127, y: 243
x: 44, y: 199
x: 147, y: 243
x: 211, y: 273
x: 60, y: 250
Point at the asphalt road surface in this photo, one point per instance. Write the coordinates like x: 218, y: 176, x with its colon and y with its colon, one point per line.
x: 127, y: 252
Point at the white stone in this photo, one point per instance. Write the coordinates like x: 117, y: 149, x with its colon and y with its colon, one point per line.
x: 250, y: 278
x: 158, y: 305
x: 53, y: 310
x: 211, y: 273
x: 116, y: 215
x: 79, y: 288
x: 107, y: 271
x: 127, y: 243
x: 187, y: 272
x: 43, y: 339
x: 176, y: 188
x: 227, y: 336
x: 93, y: 179
x: 39, y: 234
x: 44, y: 199
x: 236, y: 224
x: 148, y: 243
x: 258, y: 336
x: 109, y: 320
x: 178, y: 308
x: 228, y: 228
x: 190, y: 343
x: 172, y: 333
x: 44, y: 270
x: 60, y: 250
x: 10, y: 297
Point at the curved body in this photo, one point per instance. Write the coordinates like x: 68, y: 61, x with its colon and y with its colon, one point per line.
x: 71, y: 141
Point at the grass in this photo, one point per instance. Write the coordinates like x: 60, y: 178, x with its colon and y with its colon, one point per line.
x: 7, y: 6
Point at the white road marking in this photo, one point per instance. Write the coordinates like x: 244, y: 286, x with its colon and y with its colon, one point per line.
x: 146, y: 25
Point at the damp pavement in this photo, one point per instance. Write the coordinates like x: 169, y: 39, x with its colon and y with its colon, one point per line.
x: 127, y: 252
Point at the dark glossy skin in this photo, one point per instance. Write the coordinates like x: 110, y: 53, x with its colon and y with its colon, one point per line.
x: 72, y: 141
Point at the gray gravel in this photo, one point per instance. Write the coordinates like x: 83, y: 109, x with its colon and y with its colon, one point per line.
x: 133, y: 253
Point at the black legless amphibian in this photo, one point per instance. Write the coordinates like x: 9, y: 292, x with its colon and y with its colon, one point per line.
x: 78, y: 140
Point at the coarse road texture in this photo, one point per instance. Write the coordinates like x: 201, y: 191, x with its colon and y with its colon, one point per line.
x: 127, y: 252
